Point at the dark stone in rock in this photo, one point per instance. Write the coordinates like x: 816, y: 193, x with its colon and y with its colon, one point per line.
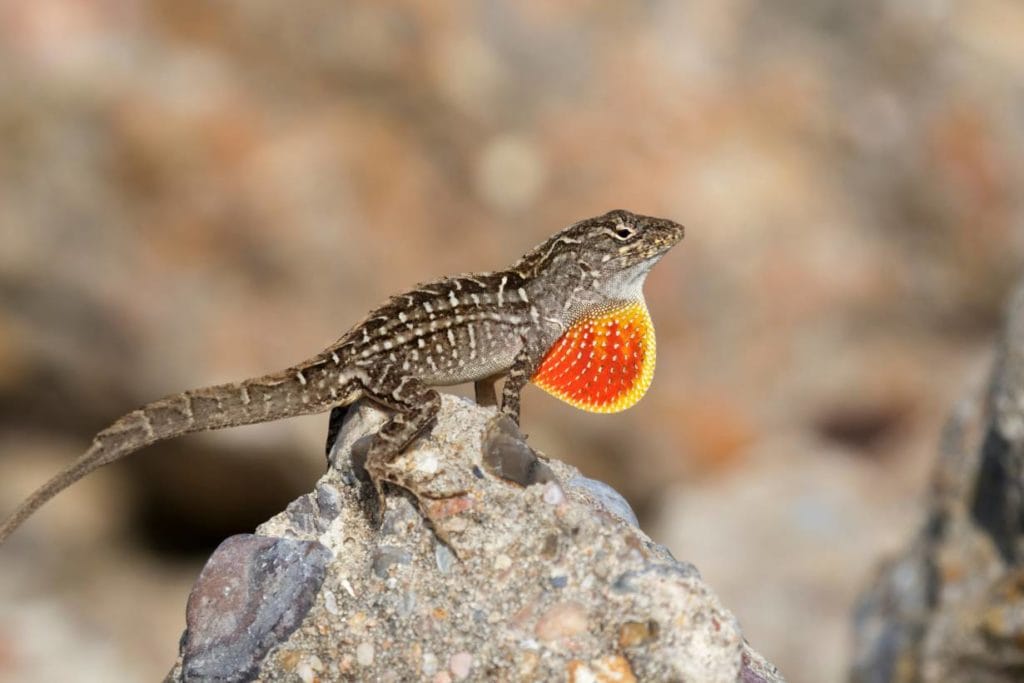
x: 756, y: 669
x: 328, y: 502
x: 633, y: 581
x: 507, y: 455
x: 550, y: 548
x: 311, y: 514
x: 386, y: 556
x: 303, y: 516
x: 400, y: 520
x: 252, y: 594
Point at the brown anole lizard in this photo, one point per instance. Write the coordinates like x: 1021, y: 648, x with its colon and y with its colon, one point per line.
x: 569, y: 315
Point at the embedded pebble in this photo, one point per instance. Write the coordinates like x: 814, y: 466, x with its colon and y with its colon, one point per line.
x: 638, y: 580
x: 398, y: 520
x: 457, y: 525
x: 330, y: 602
x: 429, y: 663
x: 385, y: 556
x: 428, y: 463
x: 610, y: 499
x: 443, y: 557
x: 553, y: 493
x: 608, y: 668
x: 407, y: 604
x: 460, y: 664
x: 328, y: 501
x: 562, y: 620
x: 633, y: 633
x: 364, y: 654
x: 529, y: 644
x: 502, y: 562
x: 303, y: 516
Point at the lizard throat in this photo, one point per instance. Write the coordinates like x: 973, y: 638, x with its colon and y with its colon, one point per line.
x: 604, y: 362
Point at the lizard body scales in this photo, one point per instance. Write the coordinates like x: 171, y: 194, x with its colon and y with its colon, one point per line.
x: 569, y: 315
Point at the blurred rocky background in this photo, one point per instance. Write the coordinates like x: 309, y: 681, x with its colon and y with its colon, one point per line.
x: 196, y: 192
x: 949, y: 607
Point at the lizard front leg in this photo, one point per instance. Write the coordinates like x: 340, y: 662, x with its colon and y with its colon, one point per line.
x: 525, y: 364
x: 506, y: 453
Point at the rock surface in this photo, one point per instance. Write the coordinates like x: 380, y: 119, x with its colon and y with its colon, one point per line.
x: 951, y: 607
x: 549, y: 581
x: 252, y: 593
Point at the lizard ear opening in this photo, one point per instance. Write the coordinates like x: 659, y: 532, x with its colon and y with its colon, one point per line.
x: 604, y: 363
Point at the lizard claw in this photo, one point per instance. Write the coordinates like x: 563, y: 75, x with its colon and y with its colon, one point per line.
x: 368, y: 469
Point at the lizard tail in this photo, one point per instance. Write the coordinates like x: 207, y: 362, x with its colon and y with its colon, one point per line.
x: 78, y: 469
x: 297, y: 391
x: 130, y: 433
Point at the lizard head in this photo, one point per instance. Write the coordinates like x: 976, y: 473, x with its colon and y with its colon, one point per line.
x: 603, y: 358
x: 620, y: 248
x: 614, y: 252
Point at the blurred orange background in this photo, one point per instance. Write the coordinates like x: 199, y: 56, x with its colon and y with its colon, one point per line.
x: 196, y: 192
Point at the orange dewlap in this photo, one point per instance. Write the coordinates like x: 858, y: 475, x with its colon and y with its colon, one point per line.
x: 604, y: 362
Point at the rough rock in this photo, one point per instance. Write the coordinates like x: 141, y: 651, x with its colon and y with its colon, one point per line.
x: 951, y: 606
x: 547, y: 581
x: 253, y: 593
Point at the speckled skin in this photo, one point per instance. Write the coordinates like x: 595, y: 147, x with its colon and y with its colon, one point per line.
x: 454, y: 330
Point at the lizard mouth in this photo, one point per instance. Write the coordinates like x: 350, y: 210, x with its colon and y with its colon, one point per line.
x: 666, y: 234
x: 673, y: 235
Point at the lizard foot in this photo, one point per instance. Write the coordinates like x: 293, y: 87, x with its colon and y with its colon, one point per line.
x: 380, y: 470
x: 434, y: 511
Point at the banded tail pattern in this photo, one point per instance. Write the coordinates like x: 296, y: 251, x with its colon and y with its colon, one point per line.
x: 311, y: 387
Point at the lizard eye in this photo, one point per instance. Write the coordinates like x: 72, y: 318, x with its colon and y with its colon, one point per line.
x: 624, y: 232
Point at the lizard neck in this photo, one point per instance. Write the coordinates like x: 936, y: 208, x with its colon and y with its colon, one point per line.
x: 568, y: 290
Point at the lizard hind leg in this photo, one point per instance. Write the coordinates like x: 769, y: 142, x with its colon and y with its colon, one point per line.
x: 415, y: 405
